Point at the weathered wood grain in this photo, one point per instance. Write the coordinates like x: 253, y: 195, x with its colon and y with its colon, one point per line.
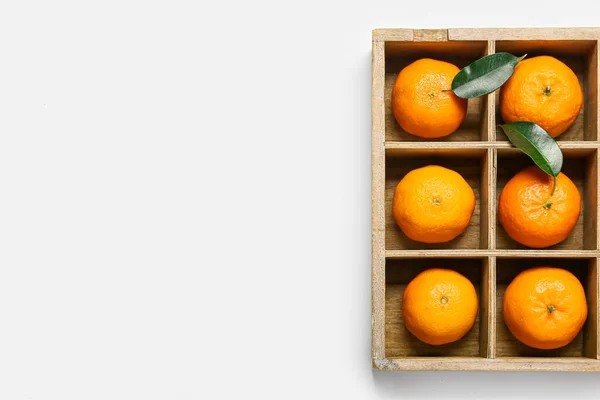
x: 542, y: 34
x: 430, y: 35
x: 472, y: 148
x: 378, y: 202
x: 487, y: 344
x: 573, y: 364
x: 503, y: 253
x: 591, y: 194
x: 591, y: 347
x: 487, y: 34
x: 488, y: 110
x: 390, y: 35
x: 483, y: 155
x: 591, y: 100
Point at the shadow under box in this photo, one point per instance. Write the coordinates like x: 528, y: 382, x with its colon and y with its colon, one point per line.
x: 580, y: 166
x: 460, y: 53
x: 584, y: 344
x: 399, y: 342
x: 470, y: 164
x: 582, y: 57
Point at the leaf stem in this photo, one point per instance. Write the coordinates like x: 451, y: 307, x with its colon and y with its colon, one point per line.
x: 522, y: 57
x: 548, y: 203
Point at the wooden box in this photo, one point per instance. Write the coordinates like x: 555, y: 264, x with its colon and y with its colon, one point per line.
x: 481, y: 153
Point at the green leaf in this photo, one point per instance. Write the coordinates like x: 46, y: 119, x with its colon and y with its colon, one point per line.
x: 534, y: 141
x: 484, y: 75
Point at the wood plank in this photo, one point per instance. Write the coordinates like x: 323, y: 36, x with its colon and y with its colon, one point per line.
x: 493, y: 207
x: 489, y: 112
x: 485, y: 215
x: 595, y: 312
x: 488, y: 183
x: 378, y: 202
x: 476, y: 34
x: 488, y: 309
x: 591, y: 198
x: 569, y: 149
x: 557, y: 48
x: 592, y: 102
x: 416, y: 152
x: 505, y: 253
x: 491, y: 172
x: 430, y: 35
x: 567, y: 145
x: 580, y: 364
x: 591, y: 344
x: 382, y: 35
x: 459, y: 53
x: 523, y: 34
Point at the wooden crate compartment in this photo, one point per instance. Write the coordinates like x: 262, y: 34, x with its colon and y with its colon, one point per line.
x: 470, y: 164
x: 582, y: 57
x: 400, y: 54
x: 585, y: 344
x: 579, y: 165
x: 399, y: 341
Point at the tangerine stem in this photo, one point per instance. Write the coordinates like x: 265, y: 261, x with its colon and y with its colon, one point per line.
x: 551, y: 308
x: 548, y: 203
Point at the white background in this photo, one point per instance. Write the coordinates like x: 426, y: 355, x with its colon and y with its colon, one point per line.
x: 185, y: 200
